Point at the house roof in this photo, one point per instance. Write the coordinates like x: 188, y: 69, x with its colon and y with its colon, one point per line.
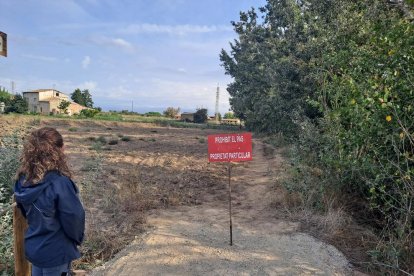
x: 43, y: 90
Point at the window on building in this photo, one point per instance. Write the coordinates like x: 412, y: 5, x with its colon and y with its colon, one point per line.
x: 57, y: 94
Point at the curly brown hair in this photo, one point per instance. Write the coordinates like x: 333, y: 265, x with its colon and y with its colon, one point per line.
x: 42, y: 152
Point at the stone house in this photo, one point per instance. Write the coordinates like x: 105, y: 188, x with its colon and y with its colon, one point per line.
x: 188, y: 117
x: 47, y: 101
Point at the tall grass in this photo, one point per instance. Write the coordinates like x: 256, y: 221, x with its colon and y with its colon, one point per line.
x: 116, y: 117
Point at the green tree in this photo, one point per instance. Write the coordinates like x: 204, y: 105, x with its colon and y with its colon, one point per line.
x: 200, y: 117
x: 63, y: 106
x: 5, y: 96
x: 17, y: 105
x: 271, y: 64
x: 229, y: 115
x: 83, y: 97
x: 87, y: 98
x: 77, y: 97
x: 171, y: 112
x: 337, y: 76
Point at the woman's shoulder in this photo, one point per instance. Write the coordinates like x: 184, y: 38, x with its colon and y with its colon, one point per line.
x: 61, y: 181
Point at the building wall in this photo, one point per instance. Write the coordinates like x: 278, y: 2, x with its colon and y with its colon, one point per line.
x: 33, y: 100
x: 75, y: 108
x: 230, y: 122
x: 44, y: 108
x: 53, y: 106
x: 47, y: 94
x: 187, y: 117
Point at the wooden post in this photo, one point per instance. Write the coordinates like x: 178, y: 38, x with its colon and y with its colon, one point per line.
x: 21, y: 266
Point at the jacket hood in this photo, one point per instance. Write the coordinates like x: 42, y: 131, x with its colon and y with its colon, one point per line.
x: 26, y: 193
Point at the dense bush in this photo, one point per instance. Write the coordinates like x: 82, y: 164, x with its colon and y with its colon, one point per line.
x: 336, y: 78
x: 9, y: 163
x: 171, y: 112
x: 200, y: 117
x: 89, y: 113
x: 5, y: 96
x: 17, y: 104
x: 153, y: 114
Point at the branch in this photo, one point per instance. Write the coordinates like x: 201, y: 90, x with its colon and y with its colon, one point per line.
x: 403, y: 7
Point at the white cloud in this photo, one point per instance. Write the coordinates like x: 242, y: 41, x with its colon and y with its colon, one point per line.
x: 41, y: 58
x: 86, y: 61
x: 113, y: 42
x: 90, y: 85
x: 173, y: 29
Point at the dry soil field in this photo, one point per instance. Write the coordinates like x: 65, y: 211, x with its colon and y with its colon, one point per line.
x: 157, y: 207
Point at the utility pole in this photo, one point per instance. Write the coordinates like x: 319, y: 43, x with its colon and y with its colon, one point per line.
x: 12, y: 87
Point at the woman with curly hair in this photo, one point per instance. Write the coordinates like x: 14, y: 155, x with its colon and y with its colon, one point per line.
x: 49, y: 200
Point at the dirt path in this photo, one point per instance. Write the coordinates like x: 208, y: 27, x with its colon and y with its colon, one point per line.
x: 195, y: 240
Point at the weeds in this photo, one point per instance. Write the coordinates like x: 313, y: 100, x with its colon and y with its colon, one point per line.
x: 8, y: 166
x: 73, y: 129
x: 101, y: 139
x: 113, y: 142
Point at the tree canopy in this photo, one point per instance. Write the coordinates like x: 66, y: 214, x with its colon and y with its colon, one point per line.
x: 17, y: 104
x: 83, y: 97
x: 200, y: 116
x: 171, y: 112
x: 336, y: 78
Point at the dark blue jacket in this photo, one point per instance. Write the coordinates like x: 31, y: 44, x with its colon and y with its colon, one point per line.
x: 56, y: 219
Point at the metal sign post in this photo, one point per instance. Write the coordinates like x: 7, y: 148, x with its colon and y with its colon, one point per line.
x: 230, y: 148
x: 231, y: 223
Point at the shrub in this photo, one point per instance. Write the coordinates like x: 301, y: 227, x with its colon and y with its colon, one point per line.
x: 101, y: 139
x: 126, y: 138
x: 153, y: 114
x: 17, y: 105
x: 200, y: 116
x: 9, y: 163
x: 113, y: 142
x: 73, y: 129
x: 171, y: 112
x: 89, y: 113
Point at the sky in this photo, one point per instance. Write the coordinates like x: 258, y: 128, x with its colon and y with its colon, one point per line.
x: 154, y: 53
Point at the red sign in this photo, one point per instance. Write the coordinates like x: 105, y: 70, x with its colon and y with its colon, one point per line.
x: 230, y: 147
x: 3, y: 44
